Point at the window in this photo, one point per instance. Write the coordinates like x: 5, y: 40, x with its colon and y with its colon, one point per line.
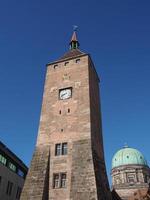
x: 77, y: 60
x: 63, y: 180
x: 62, y: 130
x: 3, y: 160
x: 56, y: 181
x: 68, y: 110
x: 117, y: 181
x: 146, y: 179
x: 64, y: 148
x: 61, y: 149
x: 66, y: 63
x: 20, y: 173
x: 18, y: 193
x: 130, y: 179
x: 59, y: 180
x: 58, y: 149
x: 12, y: 166
x: 55, y: 66
x: 60, y: 112
x: 9, y: 188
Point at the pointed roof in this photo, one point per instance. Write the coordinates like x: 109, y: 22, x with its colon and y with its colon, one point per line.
x: 74, y: 48
x: 74, y: 43
x: 74, y: 37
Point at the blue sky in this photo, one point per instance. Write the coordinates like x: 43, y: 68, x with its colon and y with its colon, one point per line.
x: 115, y: 33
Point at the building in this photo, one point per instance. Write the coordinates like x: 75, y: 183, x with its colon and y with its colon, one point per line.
x: 12, y: 174
x: 68, y: 162
x: 130, y: 174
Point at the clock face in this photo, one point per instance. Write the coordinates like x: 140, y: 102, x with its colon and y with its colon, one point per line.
x: 65, y: 93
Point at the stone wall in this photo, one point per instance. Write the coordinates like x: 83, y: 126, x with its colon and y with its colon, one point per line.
x: 80, y: 128
x: 36, y: 184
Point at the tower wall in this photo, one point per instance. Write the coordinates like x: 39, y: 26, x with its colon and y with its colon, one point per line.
x: 76, y: 122
x: 102, y: 185
x: 37, y: 180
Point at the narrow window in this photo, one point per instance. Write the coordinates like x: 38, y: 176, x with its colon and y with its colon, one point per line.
x: 130, y: 179
x: 66, y: 63
x: 9, y: 188
x: 64, y: 148
x: 18, y: 193
x: 56, y: 181
x: 0, y: 180
x: 62, y: 130
x: 77, y: 60
x: 7, y: 191
x: 55, y: 66
x: 146, y: 179
x: 60, y: 112
x: 63, y: 180
x: 57, y: 149
x: 68, y: 110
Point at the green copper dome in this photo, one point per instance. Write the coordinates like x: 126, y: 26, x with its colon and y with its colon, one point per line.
x: 128, y: 156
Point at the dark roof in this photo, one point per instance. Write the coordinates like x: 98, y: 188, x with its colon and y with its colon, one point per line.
x: 10, y: 154
x: 72, y: 53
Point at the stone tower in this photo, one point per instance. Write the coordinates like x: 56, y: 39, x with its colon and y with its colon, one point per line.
x: 68, y: 162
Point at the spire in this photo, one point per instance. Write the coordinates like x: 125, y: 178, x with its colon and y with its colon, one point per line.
x: 74, y: 44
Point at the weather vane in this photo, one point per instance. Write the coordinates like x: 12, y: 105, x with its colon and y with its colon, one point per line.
x: 75, y: 27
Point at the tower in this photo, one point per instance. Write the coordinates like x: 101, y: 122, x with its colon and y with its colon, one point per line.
x: 130, y: 174
x: 68, y: 162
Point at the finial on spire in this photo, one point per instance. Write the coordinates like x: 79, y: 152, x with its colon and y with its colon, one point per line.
x: 74, y: 44
x: 126, y: 145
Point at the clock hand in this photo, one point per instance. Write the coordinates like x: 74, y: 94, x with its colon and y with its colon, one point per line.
x: 63, y: 94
